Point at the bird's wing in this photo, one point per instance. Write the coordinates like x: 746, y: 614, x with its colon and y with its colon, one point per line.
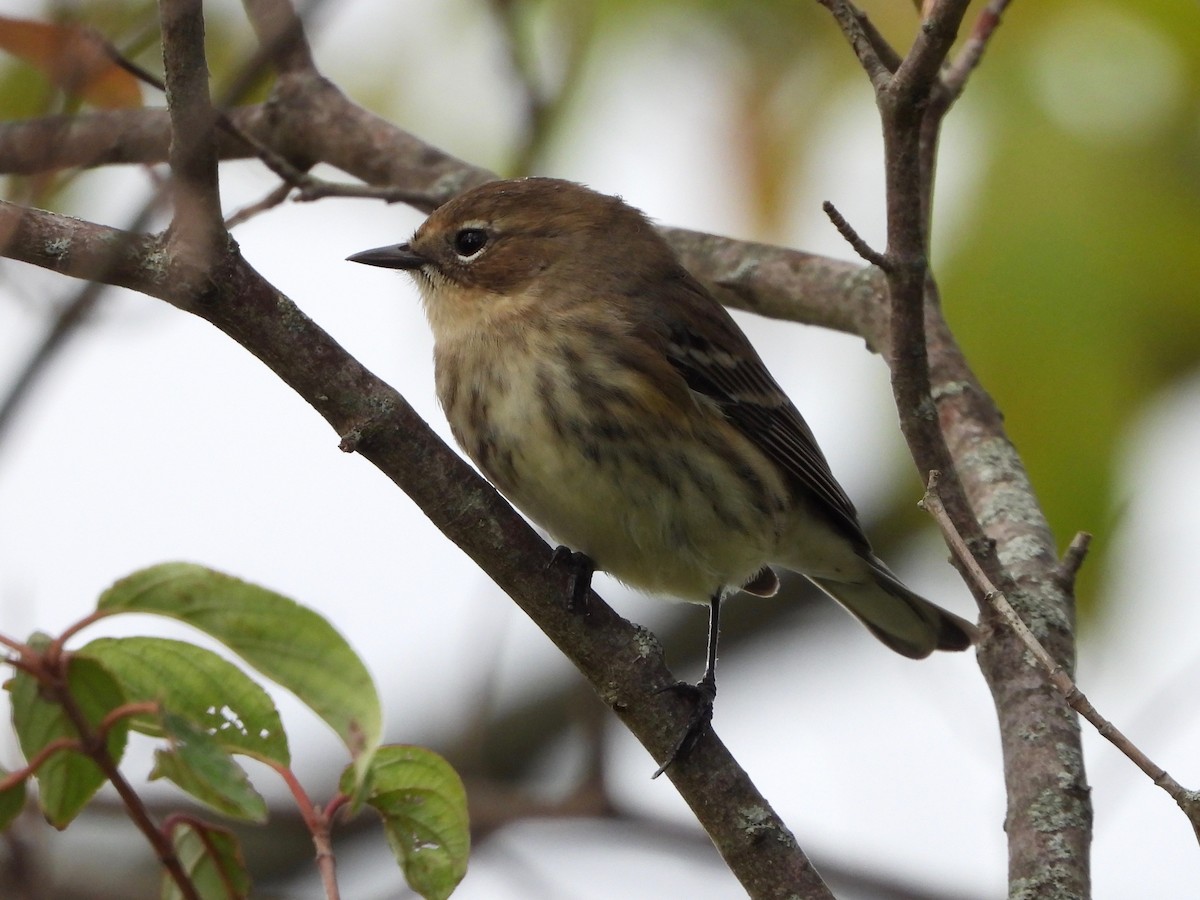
x: 717, y: 361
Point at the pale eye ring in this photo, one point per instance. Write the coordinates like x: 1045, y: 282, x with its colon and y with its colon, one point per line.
x: 469, y: 242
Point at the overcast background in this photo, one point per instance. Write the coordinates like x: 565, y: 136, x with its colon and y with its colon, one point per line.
x: 156, y: 438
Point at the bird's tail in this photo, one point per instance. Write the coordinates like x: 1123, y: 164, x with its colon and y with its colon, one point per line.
x: 906, y: 622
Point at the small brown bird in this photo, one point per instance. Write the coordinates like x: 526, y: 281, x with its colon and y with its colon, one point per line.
x: 601, y: 388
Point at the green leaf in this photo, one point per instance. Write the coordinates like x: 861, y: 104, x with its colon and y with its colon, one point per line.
x: 12, y: 801
x: 197, y: 763
x: 68, y: 779
x: 199, y: 685
x: 424, y: 809
x: 287, y: 642
x: 212, y: 860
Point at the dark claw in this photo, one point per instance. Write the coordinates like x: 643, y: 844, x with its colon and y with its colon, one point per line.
x: 702, y: 696
x: 579, y: 579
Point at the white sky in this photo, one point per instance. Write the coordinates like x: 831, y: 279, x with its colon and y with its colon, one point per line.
x: 156, y: 438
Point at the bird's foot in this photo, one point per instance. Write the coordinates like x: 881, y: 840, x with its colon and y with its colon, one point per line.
x: 579, y: 576
x: 701, y: 695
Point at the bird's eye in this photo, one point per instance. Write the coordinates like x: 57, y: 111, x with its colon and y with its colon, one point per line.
x: 469, y: 242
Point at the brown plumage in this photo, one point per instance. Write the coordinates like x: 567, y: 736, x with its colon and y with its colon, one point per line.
x: 612, y: 399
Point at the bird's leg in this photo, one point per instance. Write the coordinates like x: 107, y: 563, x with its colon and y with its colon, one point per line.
x: 702, y: 693
x: 579, y: 576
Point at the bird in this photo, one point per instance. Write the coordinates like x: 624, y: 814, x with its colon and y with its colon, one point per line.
x: 603, y: 389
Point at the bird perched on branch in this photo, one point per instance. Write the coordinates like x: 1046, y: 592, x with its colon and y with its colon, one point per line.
x: 614, y: 401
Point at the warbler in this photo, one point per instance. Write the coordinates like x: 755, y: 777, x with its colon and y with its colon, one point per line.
x: 604, y: 391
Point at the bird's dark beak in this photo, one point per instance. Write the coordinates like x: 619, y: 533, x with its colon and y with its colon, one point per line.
x: 396, y: 256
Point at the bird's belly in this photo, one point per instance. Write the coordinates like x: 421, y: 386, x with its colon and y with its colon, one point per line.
x: 658, y: 515
x: 668, y: 500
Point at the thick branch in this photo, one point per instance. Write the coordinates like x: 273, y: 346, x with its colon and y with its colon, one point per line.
x: 952, y: 426
x: 623, y: 662
x: 107, y: 137
x: 308, y: 120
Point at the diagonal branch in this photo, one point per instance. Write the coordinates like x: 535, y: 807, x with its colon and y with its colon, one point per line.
x: 996, y: 511
x: 919, y: 71
x: 281, y: 36
x: 1188, y: 801
x: 622, y: 661
x: 864, y: 41
x: 968, y: 58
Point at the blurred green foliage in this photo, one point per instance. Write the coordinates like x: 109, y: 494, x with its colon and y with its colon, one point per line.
x: 1074, y: 287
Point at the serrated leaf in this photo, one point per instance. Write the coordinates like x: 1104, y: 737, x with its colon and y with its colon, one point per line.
x: 212, y: 860
x: 197, y: 764
x: 12, y: 801
x: 68, y: 779
x: 287, y: 642
x: 199, y: 685
x: 424, y: 808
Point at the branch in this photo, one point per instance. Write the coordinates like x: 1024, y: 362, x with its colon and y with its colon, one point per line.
x: 283, y: 39
x: 855, y: 240
x: 94, y: 745
x: 56, y: 746
x: 281, y: 35
x: 623, y: 662
x: 956, y: 75
x: 1068, y: 566
x: 1188, y: 801
x: 318, y: 822
x: 919, y: 70
x: 197, y: 226
x: 73, y: 314
x: 951, y: 426
x: 309, y: 120
x: 863, y: 41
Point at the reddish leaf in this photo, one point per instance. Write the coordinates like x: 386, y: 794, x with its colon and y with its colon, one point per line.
x: 73, y: 57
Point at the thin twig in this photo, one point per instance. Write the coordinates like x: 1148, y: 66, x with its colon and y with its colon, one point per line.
x: 274, y: 197
x: 954, y: 77
x: 1188, y: 801
x: 316, y: 188
x: 120, y: 59
x: 920, y: 68
x: 854, y: 239
x: 849, y: 18
x: 126, y: 711
x: 946, y: 90
x: 77, y: 310
x: 307, y: 186
x: 14, y: 644
x: 97, y: 751
x: 58, y: 745
x: 75, y: 627
x: 886, y: 52
x: 282, y: 40
x: 202, y: 831
x: 318, y: 823
x: 1068, y: 566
